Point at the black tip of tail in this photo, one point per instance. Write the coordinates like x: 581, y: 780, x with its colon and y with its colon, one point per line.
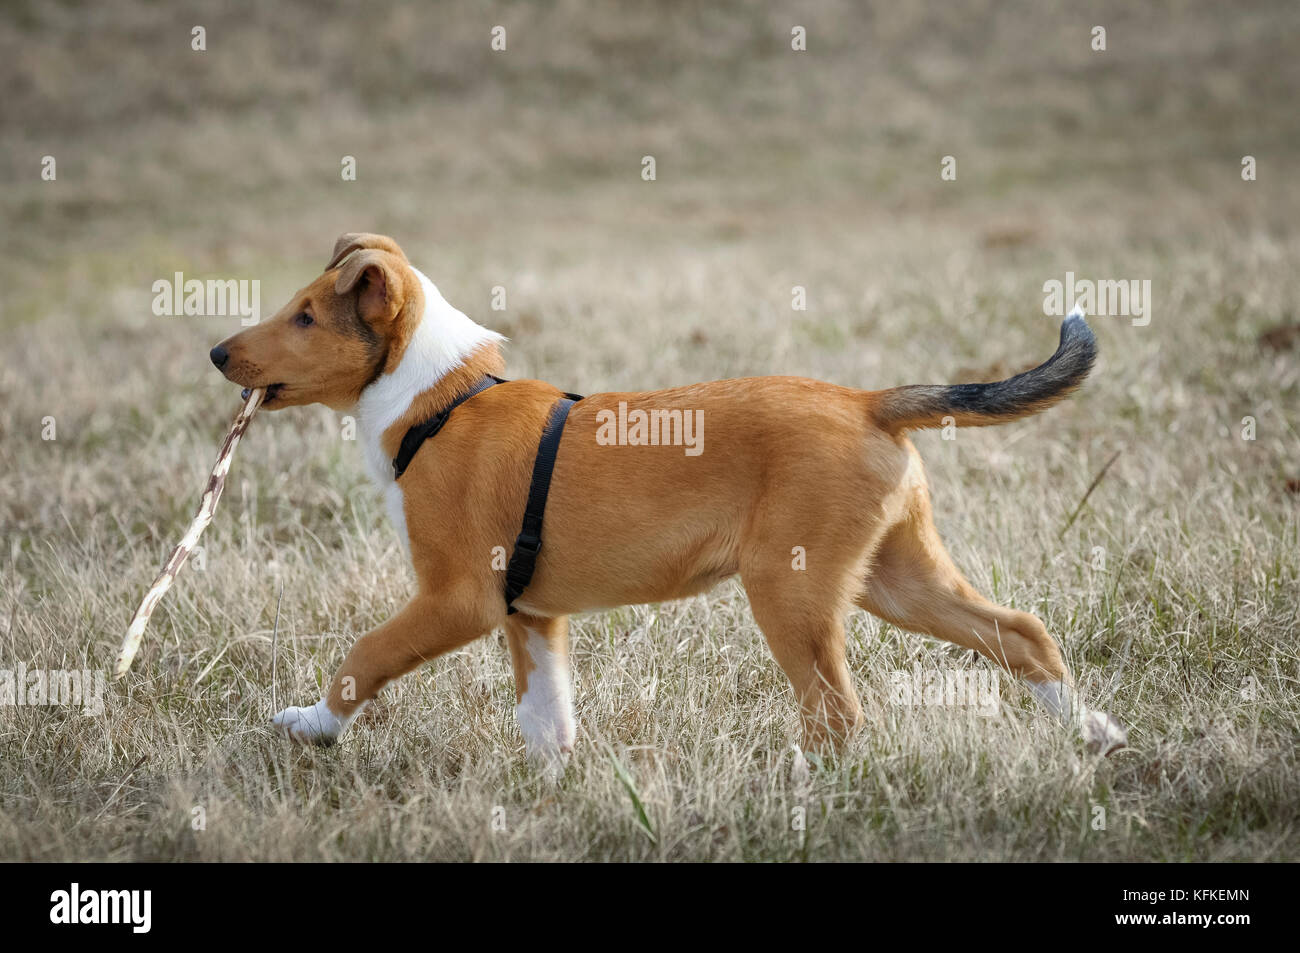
x: 1037, y: 388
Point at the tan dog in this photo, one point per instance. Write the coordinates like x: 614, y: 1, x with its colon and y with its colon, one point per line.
x: 641, y: 508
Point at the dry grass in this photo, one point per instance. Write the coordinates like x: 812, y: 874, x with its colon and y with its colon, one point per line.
x: 775, y: 169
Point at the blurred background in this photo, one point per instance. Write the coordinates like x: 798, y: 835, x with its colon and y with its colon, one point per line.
x: 774, y: 169
x: 522, y: 169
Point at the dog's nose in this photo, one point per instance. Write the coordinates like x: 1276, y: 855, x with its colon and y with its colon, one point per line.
x: 219, y: 356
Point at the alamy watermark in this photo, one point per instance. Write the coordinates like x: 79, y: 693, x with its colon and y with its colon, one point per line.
x: 651, y: 428
x: 951, y: 688
x: 39, y: 687
x: 76, y: 905
x: 1122, y: 297
x: 214, y: 297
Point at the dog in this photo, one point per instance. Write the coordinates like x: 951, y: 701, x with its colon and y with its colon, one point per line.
x: 811, y: 492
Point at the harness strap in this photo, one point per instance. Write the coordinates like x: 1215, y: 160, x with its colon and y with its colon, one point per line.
x: 415, y: 437
x: 523, y: 561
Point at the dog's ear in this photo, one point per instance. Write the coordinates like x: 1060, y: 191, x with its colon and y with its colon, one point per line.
x: 377, y: 274
x: 351, y: 241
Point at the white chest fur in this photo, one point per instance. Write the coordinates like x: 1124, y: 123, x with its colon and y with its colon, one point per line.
x: 443, y: 338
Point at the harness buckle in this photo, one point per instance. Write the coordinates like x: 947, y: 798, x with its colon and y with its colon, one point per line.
x: 528, y: 543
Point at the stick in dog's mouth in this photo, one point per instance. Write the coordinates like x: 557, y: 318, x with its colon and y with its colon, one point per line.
x: 272, y: 392
x: 207, y: 506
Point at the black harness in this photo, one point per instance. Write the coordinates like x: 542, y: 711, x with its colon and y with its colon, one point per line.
x: 523, y: 561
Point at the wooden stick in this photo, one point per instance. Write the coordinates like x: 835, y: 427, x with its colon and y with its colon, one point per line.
x: 207, y: 506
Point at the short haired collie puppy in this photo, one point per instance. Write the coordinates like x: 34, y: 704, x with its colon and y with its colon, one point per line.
x: 729, y: 477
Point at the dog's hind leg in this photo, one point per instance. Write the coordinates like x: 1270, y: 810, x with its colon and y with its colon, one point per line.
x: 914, y: 584
x: 427, y: 627
x: 539, y: 652
x: 801, y: 617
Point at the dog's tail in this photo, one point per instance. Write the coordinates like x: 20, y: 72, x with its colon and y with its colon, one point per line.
x: 979, y: 405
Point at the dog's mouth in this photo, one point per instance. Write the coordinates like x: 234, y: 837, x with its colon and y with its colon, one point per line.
x: 272, y: 391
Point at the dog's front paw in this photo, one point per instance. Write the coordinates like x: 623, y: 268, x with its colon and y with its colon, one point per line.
x: 1102, y: 733
x: 313, y: 725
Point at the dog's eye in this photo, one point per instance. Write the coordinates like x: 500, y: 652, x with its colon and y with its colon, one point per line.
x: 303, y: 320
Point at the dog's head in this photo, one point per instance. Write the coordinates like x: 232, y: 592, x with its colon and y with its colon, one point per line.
x: 334, y: 336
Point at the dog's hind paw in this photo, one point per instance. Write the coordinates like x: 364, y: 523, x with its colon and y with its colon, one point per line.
x: 313, y: 725
x: 1102, y: 733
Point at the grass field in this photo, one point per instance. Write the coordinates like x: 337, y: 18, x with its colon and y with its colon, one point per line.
x: 1173, y: 592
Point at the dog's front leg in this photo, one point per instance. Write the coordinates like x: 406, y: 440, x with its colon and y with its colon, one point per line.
x: 539, y: 651
x: 425, y: 628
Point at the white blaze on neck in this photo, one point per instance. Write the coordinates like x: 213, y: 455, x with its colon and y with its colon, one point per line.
x: 444, y: 337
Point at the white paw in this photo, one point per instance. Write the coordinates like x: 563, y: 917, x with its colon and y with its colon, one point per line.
x: 800, y: 772
x: 551, y: 762
x: 545, y: 711
x: 549, y: 748
x: 314, y: 725
x: 1102, y: 733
